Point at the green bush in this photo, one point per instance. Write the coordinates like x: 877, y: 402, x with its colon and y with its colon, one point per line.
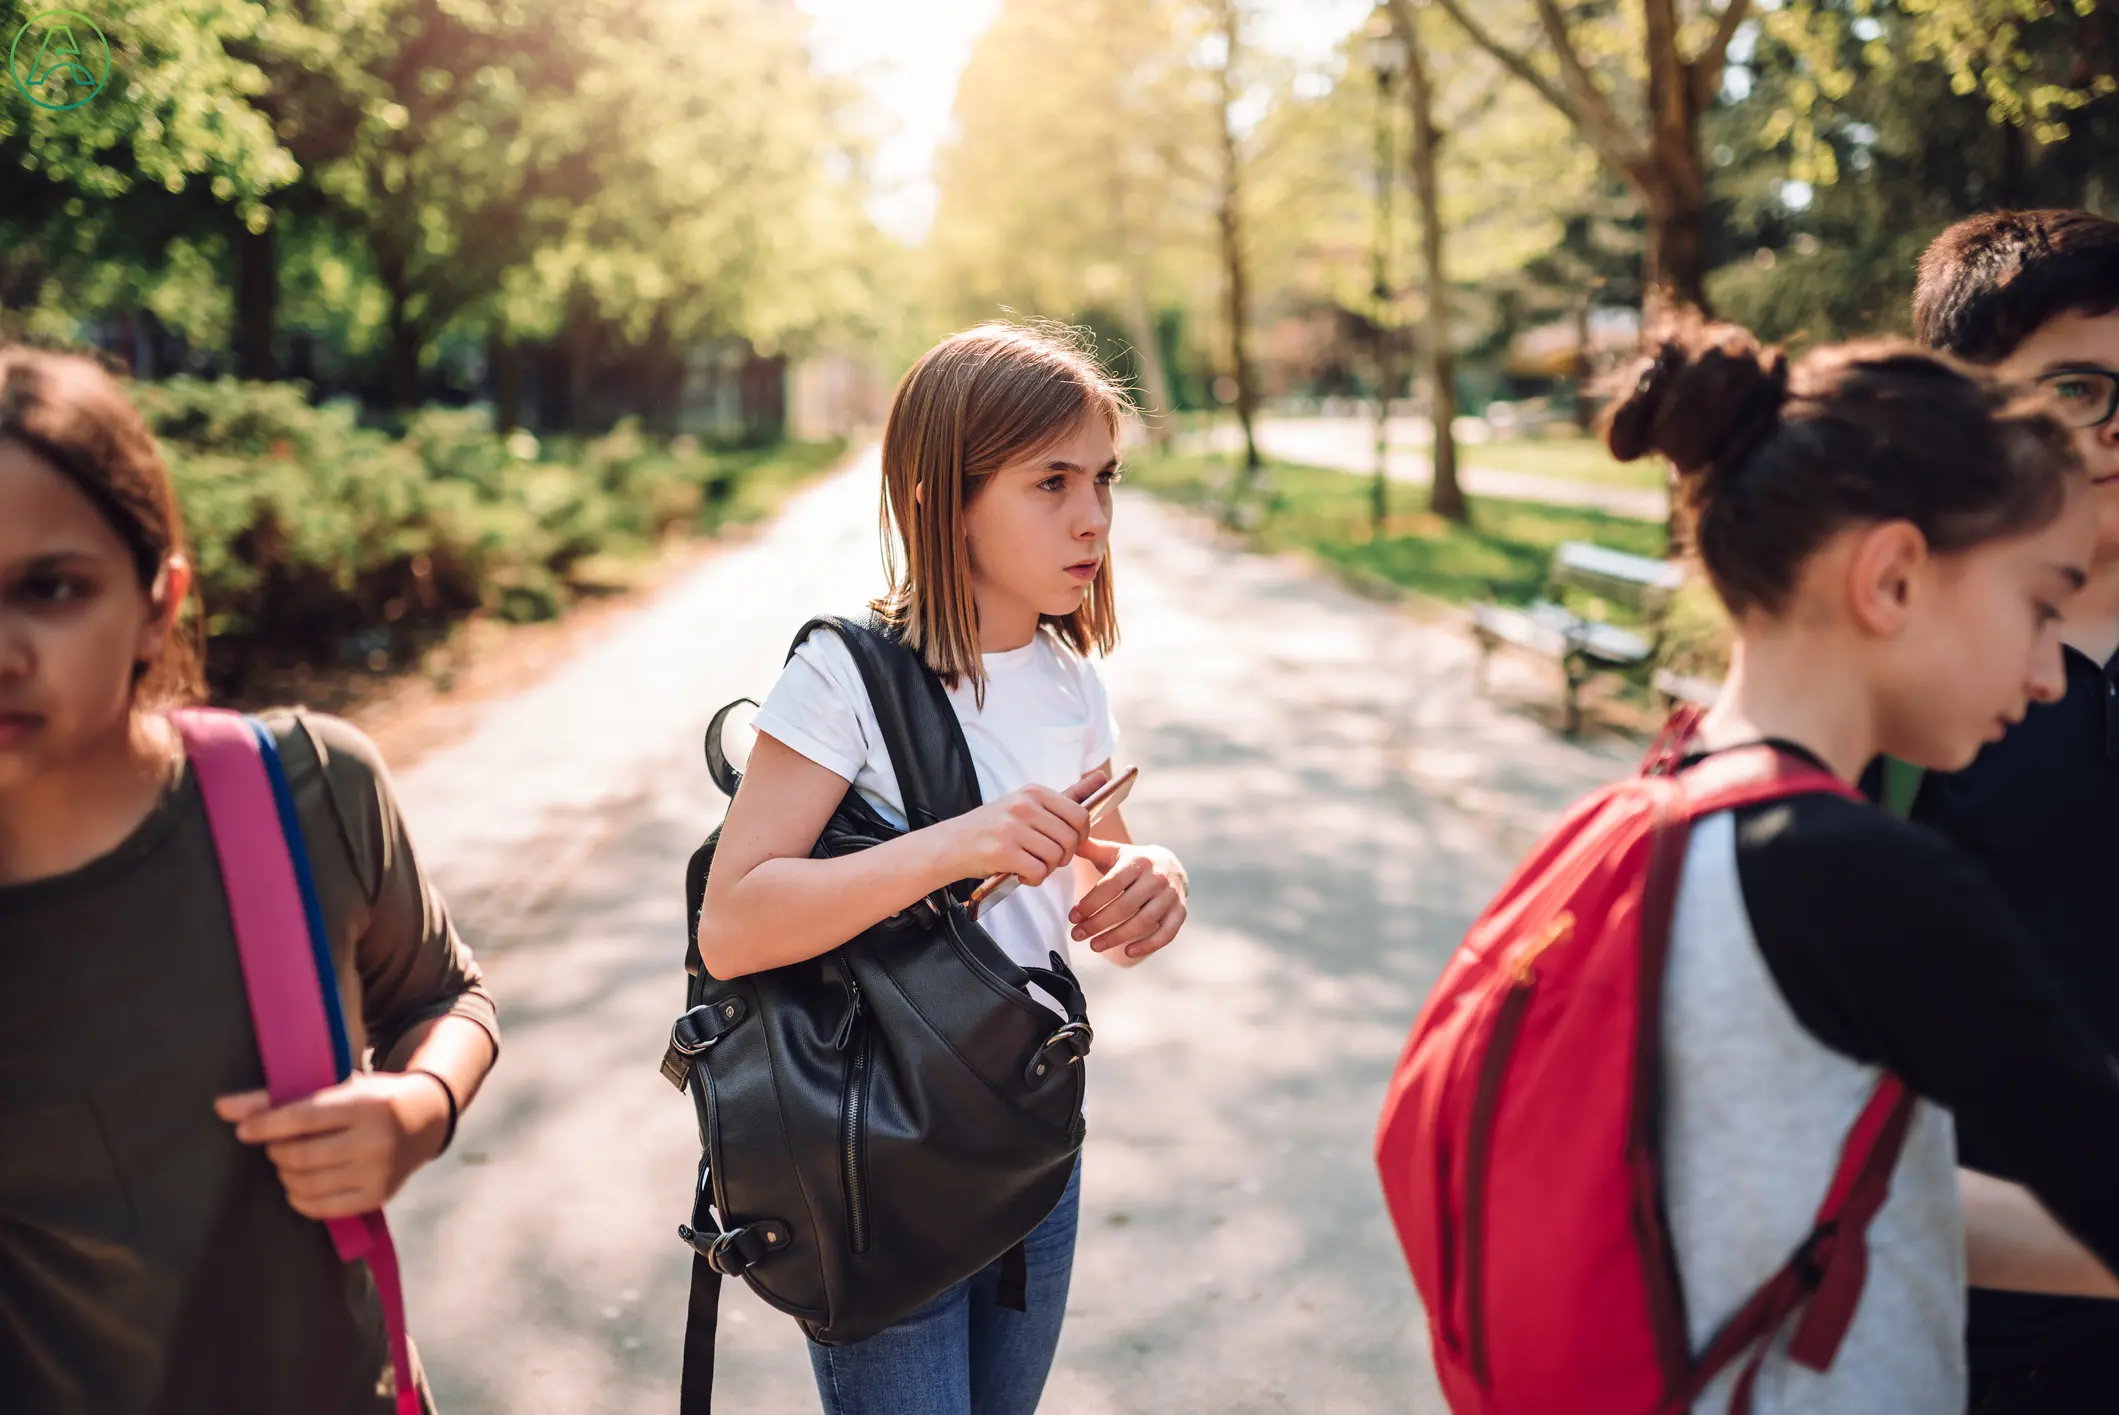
x: 318, y: 540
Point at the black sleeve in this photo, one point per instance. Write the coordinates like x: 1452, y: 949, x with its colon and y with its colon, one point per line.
x: 1871, y: 784
x: 1892, y: 949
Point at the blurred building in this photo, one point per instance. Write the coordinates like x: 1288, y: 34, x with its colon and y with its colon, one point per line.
x: 834, y: 394
x: 1600, y: 336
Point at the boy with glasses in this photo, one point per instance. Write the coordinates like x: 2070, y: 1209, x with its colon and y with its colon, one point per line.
x: 2035, y: 295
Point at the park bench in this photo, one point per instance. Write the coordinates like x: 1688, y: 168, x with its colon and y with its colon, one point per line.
x: 1585, y: 646
x: 1675, y: 688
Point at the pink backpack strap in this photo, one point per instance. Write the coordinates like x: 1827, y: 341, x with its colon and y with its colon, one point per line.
x: 254, y: 842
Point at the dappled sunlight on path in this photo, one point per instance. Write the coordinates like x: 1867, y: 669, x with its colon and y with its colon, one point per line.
x: 1345, y: 805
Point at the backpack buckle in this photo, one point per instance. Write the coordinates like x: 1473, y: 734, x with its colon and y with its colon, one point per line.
x: 736, y: 1251
x: 697, y: 1031
x: 1072, y: 1041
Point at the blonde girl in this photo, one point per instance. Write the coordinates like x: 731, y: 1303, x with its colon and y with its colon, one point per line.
x: 998, y: 463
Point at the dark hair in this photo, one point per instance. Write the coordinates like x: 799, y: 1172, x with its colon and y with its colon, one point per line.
x: 1772, y: 459
x: 1988, y: 283
x: 70, y: 413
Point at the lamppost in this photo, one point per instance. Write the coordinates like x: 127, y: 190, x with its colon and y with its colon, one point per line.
x: 1387, y: 57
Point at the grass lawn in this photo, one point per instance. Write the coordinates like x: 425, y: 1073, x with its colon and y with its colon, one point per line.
x: 1503, y: 553
x: 1571, y: 457
x: 1562, y: 452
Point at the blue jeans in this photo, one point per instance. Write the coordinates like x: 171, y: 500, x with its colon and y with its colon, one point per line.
x: 962, y: 1354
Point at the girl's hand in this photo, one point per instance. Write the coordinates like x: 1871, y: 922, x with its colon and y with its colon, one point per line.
x: 1139, y: 905
x: 347, y: 1149
x: 1029, y: 833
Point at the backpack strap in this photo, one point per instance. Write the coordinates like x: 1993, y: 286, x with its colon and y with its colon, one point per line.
x: 1752, y: 776
x: 1668, y: 747
x: 1828, y: 1270
x: 937, y: 780
x: 718, y: 766
x: 1826, y: 1273
x: 287, y: 971
x: 717, y: 1252
x: 921, y: 733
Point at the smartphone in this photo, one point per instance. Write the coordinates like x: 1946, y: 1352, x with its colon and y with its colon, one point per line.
x: 1106, y: 799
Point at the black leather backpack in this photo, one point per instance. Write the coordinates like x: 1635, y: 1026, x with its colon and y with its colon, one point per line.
x: 884, y: 1121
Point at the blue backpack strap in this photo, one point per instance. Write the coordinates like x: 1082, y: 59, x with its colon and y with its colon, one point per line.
x: 312, y: 906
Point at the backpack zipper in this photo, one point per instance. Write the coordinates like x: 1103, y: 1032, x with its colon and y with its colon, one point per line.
x: 844, y: 1035
x: 852, y: 1105
x: 1486, y: 1099
x: 850, y: 1142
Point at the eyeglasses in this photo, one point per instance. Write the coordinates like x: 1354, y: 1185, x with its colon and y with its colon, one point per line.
x: 2086, y: 394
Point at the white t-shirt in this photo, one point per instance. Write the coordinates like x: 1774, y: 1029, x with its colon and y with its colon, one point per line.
x: 1046, y: 721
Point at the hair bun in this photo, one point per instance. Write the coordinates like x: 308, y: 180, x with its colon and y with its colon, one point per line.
x: 1706, y: 396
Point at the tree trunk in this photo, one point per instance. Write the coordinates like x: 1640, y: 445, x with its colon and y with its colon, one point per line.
x: 129, y: 340
x: 1380, y: 475
x: 1446, y: 498
x: 2009, y: 171
x: 1148, y: 354
x: 1140, y: 324
x: 257, y: 294
x: 1584, y: 369
x: 663, y: 387
x: 1675, y: 265
x: 1229, y: 218
x: 1383, y: 296
x: 581, y: 358
x: 1675, y: 187
x: 406, y: 340
x: 504, y: 371
x: 150, y: 358
x: 405, y: 347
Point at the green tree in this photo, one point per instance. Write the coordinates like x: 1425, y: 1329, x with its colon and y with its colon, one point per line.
x: 1510, y: 185
x: 1078, y: 177
x: 1857, y: 130
x: 1634, y: 81
x: 171, y: 148
x: 1226, y: 18
x: 410, y: 171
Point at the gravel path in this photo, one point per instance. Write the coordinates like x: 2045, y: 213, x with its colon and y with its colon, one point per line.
x: 1345, y: 805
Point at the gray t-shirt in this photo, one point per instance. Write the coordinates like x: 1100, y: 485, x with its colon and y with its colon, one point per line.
x: 1818, y: 942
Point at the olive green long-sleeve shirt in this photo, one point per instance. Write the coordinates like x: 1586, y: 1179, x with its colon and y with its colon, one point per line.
x: 149, y: 1262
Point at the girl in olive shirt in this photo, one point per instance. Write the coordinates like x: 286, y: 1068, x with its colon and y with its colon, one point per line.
x: 160, y: 1249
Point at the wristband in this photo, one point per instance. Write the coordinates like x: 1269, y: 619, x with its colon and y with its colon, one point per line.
x: 447, y: 1090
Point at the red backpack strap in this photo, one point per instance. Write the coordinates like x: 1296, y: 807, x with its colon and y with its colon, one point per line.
x: 1676, y: 734
x: 255, y: 842
x: 1841, y: 1257
x: 1827, y: 1271
x: 1750, y: 776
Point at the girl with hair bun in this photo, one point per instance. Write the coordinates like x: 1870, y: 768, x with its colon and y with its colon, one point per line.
x: 1894, y: 535
x: 1675, y: 1129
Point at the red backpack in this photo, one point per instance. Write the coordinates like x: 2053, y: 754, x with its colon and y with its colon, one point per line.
x: 1520, y: 1137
